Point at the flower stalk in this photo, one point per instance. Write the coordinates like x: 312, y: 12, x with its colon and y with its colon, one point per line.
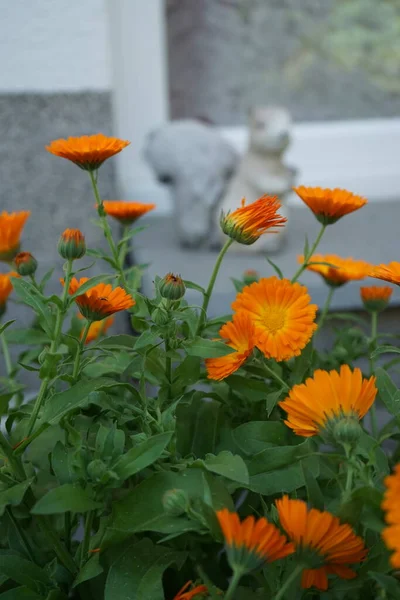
x: 312, y: 250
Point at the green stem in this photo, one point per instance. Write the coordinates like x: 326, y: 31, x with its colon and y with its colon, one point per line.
x: 67, y: 530
x: 86, y: 537
x: 21, y: 534
x: 349, y: 475
x: 326, y: 307
x: 374, y: 335
x: 59, y: 548
x: 292, y: 577
x: 274, y: 375
x: 313, y: 248
x: 77, y: 362
x: 207, y: 295
x: 168, y: 366
x: 14, y: 461
x: 6, y: 354
x: 237, y: 575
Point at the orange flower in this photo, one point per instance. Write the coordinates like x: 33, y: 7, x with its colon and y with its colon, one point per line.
x: 6, y: 288
x: 329, y: 400
x: 101, y: 300
x: 391, y: 506
x: 88, y: 151
x: 11, y: 225
x: 390, y: 272
x: 126, y: 212
x: 188, y: 595
x: 96, y: 329
x: 341, y: 271
x: 282, y: 315
x: 322, y: 541
x: 329, y: 205
x: 248, y: 223
x: 250, y: 543
x: 239, y: 334
x: 375, y: 297
x: 71, y: 244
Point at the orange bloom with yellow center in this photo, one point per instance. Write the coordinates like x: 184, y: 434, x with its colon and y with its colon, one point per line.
x: 322, y: 540
x: 96, y: 329
x: 329, y: 205
x: 246, y: 224
x: 327, y: 400
x: 375, y: 297
x: 282, y: 315
x: 251, y: 542
x: 391, y: 506
x: 186, y: 594
x: 337, y: 271
x: 390, y: 272
x: 88, y: 151
x: 6, y: 288
x: 239, y: 334
x: 99, y: 301
x: 126, y: 212
x: 11, y: 226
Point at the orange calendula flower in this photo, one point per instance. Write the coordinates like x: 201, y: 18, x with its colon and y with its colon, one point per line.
x: 186, y: 594
x: 391, y: 506
x: 11, y: 226
x: 337, y: 271
x: 331, y: 401
x: 329, y: 205
x: 375, y: 297
x: 247, y: 223
x: 6, y: 288
x: 282, y: 315
x: 390, y: 272
x: 251, y: 542
x: 101, y: 300
x: 322, y: 541
x: 96, y: 329
x: 126, y: 212
x: 88, y: 151
x: 239, y: 334
x: 71, y: 244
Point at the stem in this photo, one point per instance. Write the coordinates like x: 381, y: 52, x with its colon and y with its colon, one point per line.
x: 374, y: 335
x: 77, y: 362
x: 292, y: 577
x: 237, y: 575
x: 168, y: 366
x: 59, y: 548
x: 350, y: 473
x: 86, y: 537
x: 313, y: 248
x: 21, y: 534
x: 67, y: 530
x: 14, y: 461
x: 6, y: 354
x: 274, y: 375
x: 327, y: 305
x: 207, y: 295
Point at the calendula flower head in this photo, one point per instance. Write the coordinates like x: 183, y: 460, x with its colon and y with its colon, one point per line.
x: 240, y: 334
x: 391, y: 507
x: 282, y: 314
x: 335, y: 270
x: 250, y: 276
x: 171, y: 287
x: 194, y: 592
x: 71, y: 244
x: 329, y: 205
x: 96, y: 329
x: 11, y: 226
x: 126, y: 212
x: 376, y: 297
x: 390, y: 272
x: 99, y: 301
x: 6, y: 288
x: 252, y: 542
x: 87, y: 151
x: 322, y: 541
x: 330, y: 403
x: 25, y: 263
x: 247, y: 223
x: 175, y: 502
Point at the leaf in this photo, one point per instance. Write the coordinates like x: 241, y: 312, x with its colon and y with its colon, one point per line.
x: 4, y: 326
x: 14, y: 495
x: 314, y: 494
x: 206, y: 348
x: 227, y: 465
x: 278, y: 457
x: 254, y: 437
x: 24, y: 572
x: 91, y: 569
x: 275, y: 267
x: 31, y: 296
x: 283, y: 480
x: 20, y: 593
x: 117, y: 342
x: 105, y: 277
x: 388, y: 391
x: 62, y: 461
x: 137, y: 574
x: 141, y: 456
x: 387, y: 583
x: 66, y: 498
x: 187, y: 372
x: 147, y: 338
x: 197, y: 425
x: 27, y: 337
x: 254, y: 390
x: 385, y: 350
x: 194, y: 286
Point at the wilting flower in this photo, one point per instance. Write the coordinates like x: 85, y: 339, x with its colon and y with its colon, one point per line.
x: 87, y: 151
x: 6, y: 288
x: 251, y: 542
x: 390, y: 272
x: 11, y: 226
x: 239, y: 334
x: 329, y: 205
x: 171, y: 287
x: 247, y: 223
x: 330, y: 401
x: 185, y: 594
x: 71, y: 244
x: 101, y: 300
x: 337, y: 271
x: 25, y: 263
x: 282, y: 315
x: 126, y: 212
x: 375, y: 297
x: 324, y: 543
x: 96, y: 329
x: 391, y: 506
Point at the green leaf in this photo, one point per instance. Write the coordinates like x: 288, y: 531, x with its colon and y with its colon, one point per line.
x: 14, y: 495
x: 27, y: 337
x: 4, y: 326
x: 20, y: 593
x: 187, y: 372
x: 278, y: 457
x: 314, y: 494
x: 104, y: 278
x: 31, y: 296
x: 147, y: 338
x: 275, y: 267
x: 197, y: 425
x: 194, y: 286
x: 141, y: 456
x: 66, y: 498
x: 283, y: 480
x: 388, y: 584
x: 137, y: 574
x: 227, y: 465
x: 254, y: 390
x: 388, y: 391
x: 116, y: 342
x: 385, y: 350
x: 254, y: 437
x: 24, y: 572
x: 91, y: 569
x: 62, y: 462
x: 206, y: 348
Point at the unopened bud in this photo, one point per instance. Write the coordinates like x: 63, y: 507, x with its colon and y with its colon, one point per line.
x: 172, y: 287
x: 25, y: 263
x: 72, y: 244
x: 347, y: 430
x: 160, y: 316
x: 175, y: 502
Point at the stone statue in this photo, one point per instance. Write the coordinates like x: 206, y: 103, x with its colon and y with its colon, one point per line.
x: 197, y: 162
x: 262, y: 171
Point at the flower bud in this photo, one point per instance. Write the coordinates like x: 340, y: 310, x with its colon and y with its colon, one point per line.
x: 250, y: 276
x: 96, y: 469
x: 160, y: 316
x: 172, y: 287
x: 347, y: 430
x: 72, y: 244
x: 25, y: 263
x: 375, y: 298
x: 175, y: 502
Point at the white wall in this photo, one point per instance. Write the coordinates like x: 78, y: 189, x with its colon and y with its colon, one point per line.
x: 54, y: 46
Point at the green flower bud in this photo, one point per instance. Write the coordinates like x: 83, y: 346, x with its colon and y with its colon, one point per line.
x: 175, y: 502
x: 96, y: 469
x: 72, y: 244
x: 172, y: 287
x: 347, y: 430
x: 160, y: 316
x: 25, y: 263
x: 250, y: 276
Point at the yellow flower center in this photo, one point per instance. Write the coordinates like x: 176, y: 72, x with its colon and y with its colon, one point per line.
x: 274, y: 319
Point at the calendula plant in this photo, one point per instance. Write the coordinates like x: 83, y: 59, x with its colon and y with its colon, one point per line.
x: 197, y: 457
